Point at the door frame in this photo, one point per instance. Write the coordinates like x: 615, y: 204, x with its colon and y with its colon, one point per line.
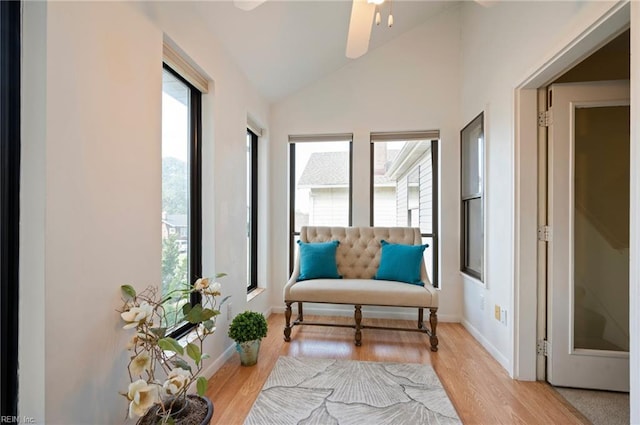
x: 605, y: 27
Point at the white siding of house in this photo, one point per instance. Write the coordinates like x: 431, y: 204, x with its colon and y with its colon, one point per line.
x: 384, y: 206
x: 426, y: 209
x: 426, y: 194
x: 329, y: 206
x: 402, y: 216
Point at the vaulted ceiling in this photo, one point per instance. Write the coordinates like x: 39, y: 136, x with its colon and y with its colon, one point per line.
x: 283, y: 46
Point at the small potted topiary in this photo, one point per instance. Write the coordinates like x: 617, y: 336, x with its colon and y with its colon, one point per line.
x: 247, y: 329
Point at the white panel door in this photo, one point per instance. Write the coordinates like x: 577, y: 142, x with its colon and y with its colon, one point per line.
x: 588, y: 255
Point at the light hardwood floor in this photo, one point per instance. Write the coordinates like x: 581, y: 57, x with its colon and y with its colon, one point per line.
x: 478, y: 386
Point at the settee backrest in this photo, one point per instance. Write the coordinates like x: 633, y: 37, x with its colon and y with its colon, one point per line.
x: 358, y: 254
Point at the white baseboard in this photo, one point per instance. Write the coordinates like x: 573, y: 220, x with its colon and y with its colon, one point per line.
x: 210, y: 370
x: 399, y: 313
x: 500, y: 358
x: 217, y: 363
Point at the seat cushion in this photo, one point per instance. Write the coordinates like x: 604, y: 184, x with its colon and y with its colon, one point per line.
x: 362, y: 292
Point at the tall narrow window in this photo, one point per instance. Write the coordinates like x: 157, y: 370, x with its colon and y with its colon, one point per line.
x: 472, y: 194
x: 320, y: 183
x: 181, y: 194
x: 252, y: 211
x: 404, y: 187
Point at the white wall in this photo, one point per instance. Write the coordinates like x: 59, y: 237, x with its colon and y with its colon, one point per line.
x: 93, y: 158
x: 411, y: 83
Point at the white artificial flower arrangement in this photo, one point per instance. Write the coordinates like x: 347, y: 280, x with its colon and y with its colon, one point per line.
x: 159, y: 372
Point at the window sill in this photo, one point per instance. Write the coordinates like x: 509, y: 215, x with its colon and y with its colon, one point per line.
x: 251, y: 295
x: 475, y: 280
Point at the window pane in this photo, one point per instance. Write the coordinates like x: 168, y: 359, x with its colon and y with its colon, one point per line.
x: 472, y: 231
x: 402, y: 184
x: 471, y: 160
x: 322, y: 184
x: 252, y: 221
x: 248, y: 210
x: 474, y: 235
x: 601, y: 228
x: 402, y: 178
x: 175, y: 191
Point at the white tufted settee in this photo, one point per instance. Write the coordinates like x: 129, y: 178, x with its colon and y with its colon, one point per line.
x: 358, y: 258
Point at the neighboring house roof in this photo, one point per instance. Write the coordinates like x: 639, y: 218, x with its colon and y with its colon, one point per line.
x: 326, y: 169
x: 176, y: 220
x: 407, y: 158
x: 332, y: 169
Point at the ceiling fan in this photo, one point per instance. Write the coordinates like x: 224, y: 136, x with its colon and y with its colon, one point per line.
x: 362, y: 12
x: 360, y: 24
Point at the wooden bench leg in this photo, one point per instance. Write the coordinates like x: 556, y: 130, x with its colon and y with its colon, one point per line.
x: 420, y: 318
x: 300, y: 318
x: 287, y: 326
x: 358, y: 319
x: 433, y: 320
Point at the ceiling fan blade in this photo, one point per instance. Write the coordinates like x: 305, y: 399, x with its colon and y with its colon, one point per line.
x: 359, y: 28
x: 247, y: 5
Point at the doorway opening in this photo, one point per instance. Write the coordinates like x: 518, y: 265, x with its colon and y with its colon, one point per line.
x: 573, y: 62
x: 583, y: 194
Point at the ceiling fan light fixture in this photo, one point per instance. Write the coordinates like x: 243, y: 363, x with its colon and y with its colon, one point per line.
x: 378, y: 18
x: 376, y: 2
x: 390, y: 21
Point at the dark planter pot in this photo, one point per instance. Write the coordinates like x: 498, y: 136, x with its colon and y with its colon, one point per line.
x: 207, y: 418
x: 196, y: 403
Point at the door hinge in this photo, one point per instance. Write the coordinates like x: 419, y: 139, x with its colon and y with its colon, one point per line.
x: 543, y: 347
x: 544, y: 119
x: 544, y: 233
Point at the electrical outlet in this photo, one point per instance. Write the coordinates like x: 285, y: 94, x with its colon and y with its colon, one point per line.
x: 496, y: 312
x: 229, y: 311
x: 503, y: 316
x: 481, y: 302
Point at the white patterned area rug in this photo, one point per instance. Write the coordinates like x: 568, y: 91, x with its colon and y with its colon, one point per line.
x: 330, y: 392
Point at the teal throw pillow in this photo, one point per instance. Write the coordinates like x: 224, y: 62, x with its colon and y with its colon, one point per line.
x: 400, y: 263
x: 318, y: 260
